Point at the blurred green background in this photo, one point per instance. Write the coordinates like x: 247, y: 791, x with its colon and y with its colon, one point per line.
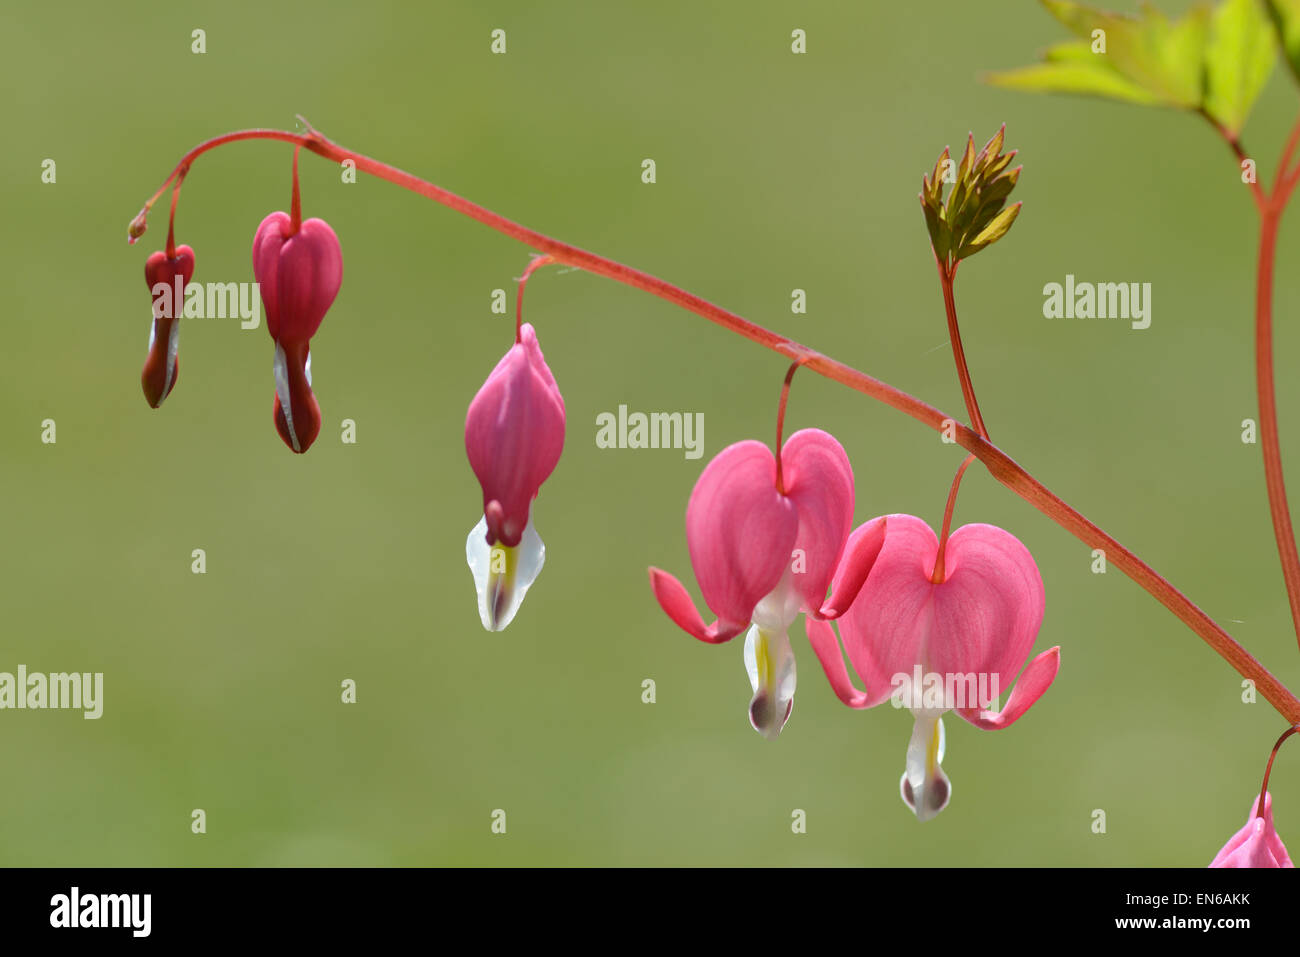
x: 775, y: 172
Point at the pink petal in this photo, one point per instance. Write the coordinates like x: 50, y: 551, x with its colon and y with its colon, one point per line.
x: 886, y: 627
x: 980, y: 622
x: 740, y: 530
x: 819, y: 480
x: 1256, y: 844
x: 676, y: 603
x: 827, y: 649
x: 990, y: 606
x: 298, y: 275
x: 1038, y: 675
x: 859, y: 558
x: 514, y: 434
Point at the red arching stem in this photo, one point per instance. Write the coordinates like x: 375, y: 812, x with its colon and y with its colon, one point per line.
x: 947, y: 274
x: 1271, y: 207
x: 780, y: 422
x: 1279, y: 510
x: 1263, y: 791
x: 295, y: 204
x: 938, y: 575
x: 537, y: 263
x: 999, y: 464
x: 171, y: 219
x: 1282, y: 183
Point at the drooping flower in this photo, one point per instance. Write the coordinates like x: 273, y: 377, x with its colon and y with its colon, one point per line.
x: 514, y: 434
x: 763, y: 553
x: 939, y: 646
x: 299, y: 268
x: 1256, y: 844
x: 167, y: 278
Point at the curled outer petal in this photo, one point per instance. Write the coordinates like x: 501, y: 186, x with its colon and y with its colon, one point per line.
x: 860, y: 554
x: 825, y: 645
x: 1037, y: 677
x: 676, y: 602
x: 514, y: 434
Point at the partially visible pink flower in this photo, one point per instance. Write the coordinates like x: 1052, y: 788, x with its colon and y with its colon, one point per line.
x: 762, y: 554
x: 1256, y: 844
x: 514, y: 434
x: 935, y: 647
x: 299, y: 273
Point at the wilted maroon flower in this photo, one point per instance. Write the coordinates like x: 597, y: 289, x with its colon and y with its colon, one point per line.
x: 167, y: 279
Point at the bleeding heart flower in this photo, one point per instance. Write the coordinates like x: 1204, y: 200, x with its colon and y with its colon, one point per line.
x: 937, y: 646
x: 167, y: 279
x: 299, y: 268
x: 514, y: 433
x: 762, y: 554
x: 1256, y: 844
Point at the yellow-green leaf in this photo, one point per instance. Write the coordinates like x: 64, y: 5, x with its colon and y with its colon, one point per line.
x: 1085, y: 79
x: 1286, y: 17
x: 996, y: 229
x: 1146, y: 59
x: 1239, y: 57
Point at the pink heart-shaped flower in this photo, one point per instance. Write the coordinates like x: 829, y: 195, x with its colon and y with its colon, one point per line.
x: 298, y: 274
x: 982, y: 618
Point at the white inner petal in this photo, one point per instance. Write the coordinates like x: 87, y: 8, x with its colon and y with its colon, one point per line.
x: 282, y: 390
x: 778, y: 609
x: 173, y: 347
x: 924, y: 786
x: 502, y: 575
x: 769, y: 661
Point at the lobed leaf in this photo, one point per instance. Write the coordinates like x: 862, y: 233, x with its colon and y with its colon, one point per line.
x: 1239, y: 57
x: 1214, y: 61
x: 1285, y: 15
